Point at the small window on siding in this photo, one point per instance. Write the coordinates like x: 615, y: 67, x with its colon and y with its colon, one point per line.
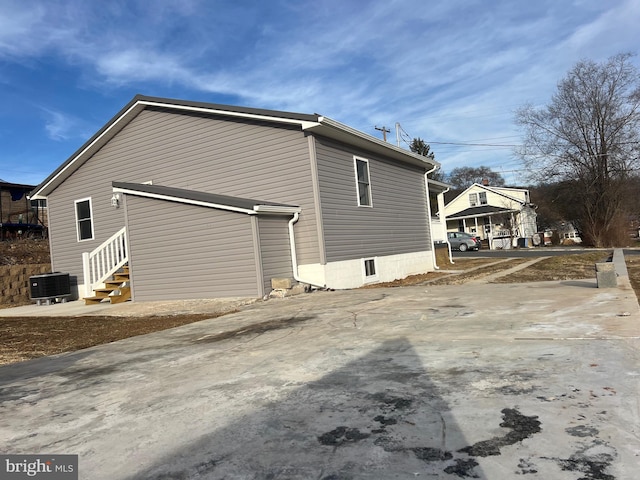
x: 473, y: 199
x: 363, y: 182
x: 84, y: 219
x: 370, y: 268
x: 483, y: 198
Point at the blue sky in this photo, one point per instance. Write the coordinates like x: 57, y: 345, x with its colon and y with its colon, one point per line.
x: 449, y: 72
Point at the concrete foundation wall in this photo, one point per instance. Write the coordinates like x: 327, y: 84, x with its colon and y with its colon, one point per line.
x: 350, y: 273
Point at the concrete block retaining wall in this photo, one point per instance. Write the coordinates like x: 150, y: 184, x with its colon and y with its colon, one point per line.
x: 14, y: 282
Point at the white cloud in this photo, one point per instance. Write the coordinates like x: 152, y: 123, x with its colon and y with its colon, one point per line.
x: 60, y: 126
x: 17, y: 25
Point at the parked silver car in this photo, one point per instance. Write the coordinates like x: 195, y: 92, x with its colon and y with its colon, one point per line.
x: 463, y: 241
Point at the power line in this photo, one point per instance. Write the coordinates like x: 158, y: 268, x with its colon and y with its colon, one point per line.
x: 474, y: 144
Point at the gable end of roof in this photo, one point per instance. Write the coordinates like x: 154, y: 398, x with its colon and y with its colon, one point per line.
x: 312, y: 123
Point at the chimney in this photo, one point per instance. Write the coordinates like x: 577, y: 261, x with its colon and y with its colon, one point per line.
x: 485, y: 182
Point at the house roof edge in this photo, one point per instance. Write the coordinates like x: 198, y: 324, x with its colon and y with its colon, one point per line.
x: 308, y: 122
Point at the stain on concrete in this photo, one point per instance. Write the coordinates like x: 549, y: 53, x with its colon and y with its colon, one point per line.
x: 80, y: 374
x: 591, y: 460
x: 526, y: 467
x: 521, y: 427
x: 11, y: 394
x: 582, y: 431
x: 463, y: 468
x: 254, y: 329
x: 337, y: 476
x: 389, y: 444
x: 432, y: 454
x: 385, y: 420
x: 392, y: 403
x: 341, y: 435
x: 515, y: 390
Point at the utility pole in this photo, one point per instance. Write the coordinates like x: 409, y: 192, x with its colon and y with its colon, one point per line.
x: 384, y: 131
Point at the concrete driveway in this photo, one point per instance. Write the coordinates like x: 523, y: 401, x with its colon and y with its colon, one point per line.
x: 534, y: 381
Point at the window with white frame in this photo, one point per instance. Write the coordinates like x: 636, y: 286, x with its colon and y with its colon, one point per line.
x: 363, y: 182
x: 473, y: 199
x: 483, y: 198
x: 84, y: 219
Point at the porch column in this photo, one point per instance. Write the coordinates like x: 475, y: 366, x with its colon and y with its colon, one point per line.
x: 490, y: 233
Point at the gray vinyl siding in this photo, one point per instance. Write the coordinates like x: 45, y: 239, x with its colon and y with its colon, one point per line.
x: 275, y: 249
x: 250, y: 160
x: 107, y: 220
x: 398, y: 221
x: 185, y: 251
x: 223, y: 156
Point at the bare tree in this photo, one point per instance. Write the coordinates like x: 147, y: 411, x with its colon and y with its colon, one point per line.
x: 588, y: 137
x: 463, y: 177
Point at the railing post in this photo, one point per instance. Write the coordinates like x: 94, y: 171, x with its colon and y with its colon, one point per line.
x: 86, y: 268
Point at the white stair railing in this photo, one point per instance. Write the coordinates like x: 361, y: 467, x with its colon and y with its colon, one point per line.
x: 104, y: 261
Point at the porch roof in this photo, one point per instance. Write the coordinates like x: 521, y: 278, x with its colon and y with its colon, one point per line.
x: 205, y: 199
x: 481, y: 211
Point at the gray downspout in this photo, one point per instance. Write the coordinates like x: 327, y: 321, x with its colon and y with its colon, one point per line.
x: 433, y: 247
x: 294, y: 260
x: 446, y: 236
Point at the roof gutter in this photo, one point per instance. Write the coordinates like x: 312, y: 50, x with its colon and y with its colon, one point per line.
x: 276, y: 209
x: 352, y: 132
x: 228, y: 113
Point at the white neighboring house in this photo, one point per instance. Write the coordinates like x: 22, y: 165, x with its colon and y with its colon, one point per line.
x: 567, y: 233
x: 503, y: 216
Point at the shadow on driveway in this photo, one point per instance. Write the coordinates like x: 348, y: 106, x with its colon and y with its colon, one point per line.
x: 379, y: 416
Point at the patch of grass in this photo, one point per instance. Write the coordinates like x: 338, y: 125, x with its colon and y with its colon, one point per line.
x: 469, y: 263
x: 564, y: 267
x: 478, y: 270
x: 633, y: 269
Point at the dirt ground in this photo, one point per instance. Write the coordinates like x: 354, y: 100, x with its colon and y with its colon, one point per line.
x: 22, y: 252
x: 24, y: 338
x: 32, y: 337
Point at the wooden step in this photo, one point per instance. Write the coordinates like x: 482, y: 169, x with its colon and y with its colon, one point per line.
x: 103, y: 292
x: 125, y: 294
x: 93, y: 300
x: 122, y: 292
